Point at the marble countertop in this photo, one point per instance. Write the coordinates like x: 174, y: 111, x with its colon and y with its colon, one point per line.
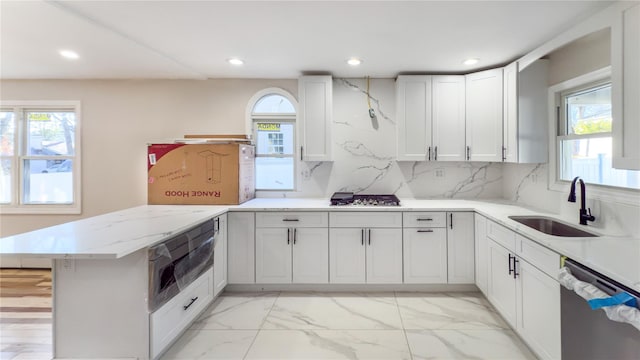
x: 120, y: 233
x: 112, y: 235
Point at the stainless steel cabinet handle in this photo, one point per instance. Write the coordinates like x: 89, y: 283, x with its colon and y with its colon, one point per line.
x: 427, y: 219
x: 301, y: 148
x: 290, y: 220
x: 515, y: 267
x: 295, y: 234
x: 362, y: 236
x: 435, y: 153
x: 425, y: 231
x: 468, y: 152
x: 288, y: 236
x: 429, y: 153
x: 450, y: 220
x: 504, y: 153
x: 369, y: 236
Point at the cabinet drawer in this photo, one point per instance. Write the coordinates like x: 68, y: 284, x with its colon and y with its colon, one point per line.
x: 172, y: 318
x: 538, y: 255
x: 291, y: 219
x: 365, y: 219
x: 424, y: 219
x: 501, y: 235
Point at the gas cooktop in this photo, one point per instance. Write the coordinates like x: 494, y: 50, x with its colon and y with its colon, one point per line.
x: 349, y: 198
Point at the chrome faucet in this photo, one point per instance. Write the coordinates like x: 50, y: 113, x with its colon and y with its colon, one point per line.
x: 584, y: 216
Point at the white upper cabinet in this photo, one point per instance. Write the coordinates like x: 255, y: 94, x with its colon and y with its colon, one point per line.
x: 448, y: 118
x: 626, y: 147
x: 525, y: 113
x: 315, y: 117
x: 431, y: 117
x: 484, y: 115
x: 413, y: 102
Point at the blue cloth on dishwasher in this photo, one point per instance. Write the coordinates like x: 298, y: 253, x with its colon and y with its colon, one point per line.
x: 617, y: 299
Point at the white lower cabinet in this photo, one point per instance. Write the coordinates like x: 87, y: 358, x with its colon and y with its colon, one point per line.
x: 241, y: 248
x: 220, y: 256
x: 527, y: 298
x: 173, y: 317
x: 365, y: 255
x: 295, y: 254
x: 425, y: 256
x: 460, y: 248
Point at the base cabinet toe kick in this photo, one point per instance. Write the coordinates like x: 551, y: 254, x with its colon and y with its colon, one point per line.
x: 137, y: 306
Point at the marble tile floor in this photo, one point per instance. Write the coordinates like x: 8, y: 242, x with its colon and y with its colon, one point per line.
x: 289, y: 325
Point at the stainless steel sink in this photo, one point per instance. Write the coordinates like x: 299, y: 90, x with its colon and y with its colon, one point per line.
x: 550, y: 226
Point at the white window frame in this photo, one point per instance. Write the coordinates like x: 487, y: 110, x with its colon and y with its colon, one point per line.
x: 596, y: 191
x: 20, y: 138
x: 252, y: 119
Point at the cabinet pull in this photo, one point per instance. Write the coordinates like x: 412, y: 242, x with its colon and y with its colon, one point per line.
x: 369, y: 236
x: 290, y: 220
x: 421, y: 219
x: 468, y: 152
x: 295, y: 233
x: 504, y: 153
x: 425, y: 231
x: 450, y: 220
x: 429, y: 153
x: 288, y: 235
x: 301, y: 148
x: 435, y: 153
x: 515, y: 267
x: 510, y: 268
x: 191, y: 303
x: 362, y: 237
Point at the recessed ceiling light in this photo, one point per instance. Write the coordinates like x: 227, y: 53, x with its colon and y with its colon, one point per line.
x: 354, y: 61
x: 471, y: 61
x: 69, y: 54
x: 235, y: 61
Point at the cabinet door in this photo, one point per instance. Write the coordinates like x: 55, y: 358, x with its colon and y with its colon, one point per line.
x: 413, y: 101
x: 425, y: 256
x: 538, y: 299
x: 460, y: 248
x: 384, y: 256
x: 481, y: 253
x: 315, y: 95
x: 484, y: 115
x: 241, y: 248
x: 273, y: 255
x: 311, y: 255
x: 448, y: 118
x: 346, y: 256
x: 510, y: 112
x: 220, y: 257
x: 626, y: 148
x: 502, y: 286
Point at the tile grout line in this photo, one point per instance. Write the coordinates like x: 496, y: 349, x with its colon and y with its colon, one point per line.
x: 404, y: 331
x: 261, y: 325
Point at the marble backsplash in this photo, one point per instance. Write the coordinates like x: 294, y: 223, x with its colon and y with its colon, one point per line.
x: 364, y: 151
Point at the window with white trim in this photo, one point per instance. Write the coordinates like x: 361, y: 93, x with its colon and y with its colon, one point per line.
x: 273, y: 117
x: 40, y: 156
x: 584, y: 139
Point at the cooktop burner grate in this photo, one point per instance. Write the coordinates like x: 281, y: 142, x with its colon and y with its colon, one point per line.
x: 348, y: 198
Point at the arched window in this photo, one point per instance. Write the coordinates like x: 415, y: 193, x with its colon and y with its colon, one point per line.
x: 273, y: 116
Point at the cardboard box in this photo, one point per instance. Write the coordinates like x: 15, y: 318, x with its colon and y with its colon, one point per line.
x: 200, y: 174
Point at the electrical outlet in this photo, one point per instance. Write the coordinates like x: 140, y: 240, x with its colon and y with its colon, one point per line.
x: 439, y: 172
x: 69, y: 265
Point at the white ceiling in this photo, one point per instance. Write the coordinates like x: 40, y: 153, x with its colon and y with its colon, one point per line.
x: 193, y: 39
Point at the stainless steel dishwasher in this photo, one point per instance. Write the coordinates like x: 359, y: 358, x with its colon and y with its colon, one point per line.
x: 589, y: 334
